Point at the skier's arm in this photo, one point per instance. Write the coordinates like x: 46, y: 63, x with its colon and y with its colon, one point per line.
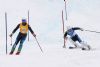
x: 65, y: 34
x: 31, y: 31
x: 14, y: 30
x: 77, y: 28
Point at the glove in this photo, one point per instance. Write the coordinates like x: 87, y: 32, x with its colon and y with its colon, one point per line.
x: 11, y: 34
x: 82, y: 29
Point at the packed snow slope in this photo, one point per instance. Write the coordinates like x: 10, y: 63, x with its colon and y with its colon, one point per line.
x: 46, y: 20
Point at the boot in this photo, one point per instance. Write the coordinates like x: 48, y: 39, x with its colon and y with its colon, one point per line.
x: 18, y: 53
x: 13, y: 49
x: 83, y: 48
x: 88, y: 47
x: 11, y: 53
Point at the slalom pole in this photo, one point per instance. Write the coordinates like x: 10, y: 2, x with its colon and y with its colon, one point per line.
x: 6, y: 30
x: 38, y: 44
x: 28, y: 23
x: 63, y: 28
x: 92, y: 31
x: 63, y: 21
x: 65, y: 9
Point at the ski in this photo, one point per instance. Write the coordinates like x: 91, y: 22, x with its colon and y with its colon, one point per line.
x: 72, y: 47
x: 6, y: 30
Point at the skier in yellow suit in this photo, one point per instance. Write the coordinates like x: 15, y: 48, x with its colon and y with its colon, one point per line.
x: 24, y: 27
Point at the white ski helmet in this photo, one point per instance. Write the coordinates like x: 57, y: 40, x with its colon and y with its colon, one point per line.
x: 69, y: 27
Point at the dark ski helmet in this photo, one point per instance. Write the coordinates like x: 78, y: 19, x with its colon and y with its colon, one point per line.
x: 24, y: 20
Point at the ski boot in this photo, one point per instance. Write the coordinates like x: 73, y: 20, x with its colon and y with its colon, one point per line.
x: 11, y: 53
x: 71, y: 47
x: 83, y: 48
x: 88, y: 47
x: 18, y: 53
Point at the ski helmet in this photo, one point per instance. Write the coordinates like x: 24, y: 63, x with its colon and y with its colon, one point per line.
x: 24, y: 20
x: 68, y: 27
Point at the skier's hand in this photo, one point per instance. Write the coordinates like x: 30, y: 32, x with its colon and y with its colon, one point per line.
x: 34, y: 35
x: 11, y: 34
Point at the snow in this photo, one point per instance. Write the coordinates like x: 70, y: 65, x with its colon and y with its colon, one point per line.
x: 45, y: 20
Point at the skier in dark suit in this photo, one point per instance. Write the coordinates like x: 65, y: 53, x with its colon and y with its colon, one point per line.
x: 74, y: 37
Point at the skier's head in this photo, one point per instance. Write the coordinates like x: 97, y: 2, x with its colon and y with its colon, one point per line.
x: 24, y: 21
x: 69, y: 27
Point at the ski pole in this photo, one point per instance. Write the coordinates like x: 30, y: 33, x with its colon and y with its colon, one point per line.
x: 38, y: 44
x: 11, y: 41
x: 92, y: 31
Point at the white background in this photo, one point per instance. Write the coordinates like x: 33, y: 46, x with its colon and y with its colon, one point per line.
x: 45, y: 20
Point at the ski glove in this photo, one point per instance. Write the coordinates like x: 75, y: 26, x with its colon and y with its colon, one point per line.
x: 81, y: 29
x: 11, y: 34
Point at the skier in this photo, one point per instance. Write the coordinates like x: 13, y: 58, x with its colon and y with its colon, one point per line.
x: 73, y: 37
x: 24, y: 27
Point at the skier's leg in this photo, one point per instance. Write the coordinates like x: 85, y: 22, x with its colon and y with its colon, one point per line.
x: 85, y: 46
x: 13, y: 48
x: 19, y: 48
x: 21, y: 45
x: 15, y: 44
x: 73, y: 42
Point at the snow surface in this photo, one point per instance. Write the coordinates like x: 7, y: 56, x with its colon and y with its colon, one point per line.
x: 45, y: 20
